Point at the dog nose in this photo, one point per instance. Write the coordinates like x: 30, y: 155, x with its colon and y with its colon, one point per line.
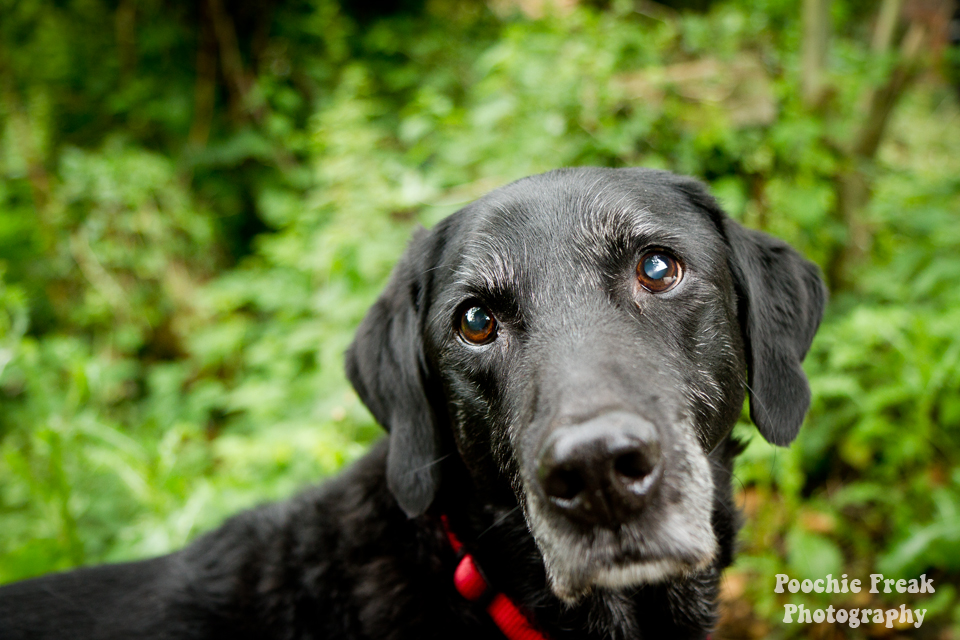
x: 603, y: 470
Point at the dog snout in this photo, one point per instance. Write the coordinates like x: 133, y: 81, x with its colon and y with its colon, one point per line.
x: 601, y: 471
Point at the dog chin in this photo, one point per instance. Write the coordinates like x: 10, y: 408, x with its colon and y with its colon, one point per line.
x: 639, y: 573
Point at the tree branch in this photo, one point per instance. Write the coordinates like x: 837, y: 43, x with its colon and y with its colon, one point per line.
x: 816, y: 41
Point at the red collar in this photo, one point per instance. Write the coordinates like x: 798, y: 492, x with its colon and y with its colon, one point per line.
x: 471, y: 584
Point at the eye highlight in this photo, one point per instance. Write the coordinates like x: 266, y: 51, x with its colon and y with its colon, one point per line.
x: 477, y: 325
x: 658, y: 271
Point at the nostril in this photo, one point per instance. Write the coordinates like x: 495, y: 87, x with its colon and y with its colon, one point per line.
x: 633, y: 465
x: 601, y: 472
x: 563, y: 484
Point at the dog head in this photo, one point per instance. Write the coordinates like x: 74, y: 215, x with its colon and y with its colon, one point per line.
x: 587, y: 337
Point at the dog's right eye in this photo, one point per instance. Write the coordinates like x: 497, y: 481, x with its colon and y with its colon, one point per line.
x: 477, y: 326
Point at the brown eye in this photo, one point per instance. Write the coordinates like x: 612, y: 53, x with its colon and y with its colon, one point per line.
x: 658, y: 271
x: 477, y: 326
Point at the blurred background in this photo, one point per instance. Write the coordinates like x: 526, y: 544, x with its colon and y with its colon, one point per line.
x: 198, y: 201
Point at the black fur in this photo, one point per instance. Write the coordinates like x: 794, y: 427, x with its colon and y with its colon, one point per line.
x: 365, y: 556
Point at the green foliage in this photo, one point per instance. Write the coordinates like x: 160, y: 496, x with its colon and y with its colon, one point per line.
x: 176, y: 292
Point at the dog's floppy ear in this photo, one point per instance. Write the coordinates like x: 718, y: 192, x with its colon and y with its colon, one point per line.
x: 781, y: 300
x: 386, y: 366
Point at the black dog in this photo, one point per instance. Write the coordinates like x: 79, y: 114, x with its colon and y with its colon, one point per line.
x: 560, y: 365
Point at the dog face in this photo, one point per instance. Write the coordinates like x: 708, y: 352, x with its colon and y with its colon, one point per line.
x: 586, y: 337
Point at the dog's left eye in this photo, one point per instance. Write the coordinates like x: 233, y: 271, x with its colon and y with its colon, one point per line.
x: 658, y: 271
x: 477, y: 326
